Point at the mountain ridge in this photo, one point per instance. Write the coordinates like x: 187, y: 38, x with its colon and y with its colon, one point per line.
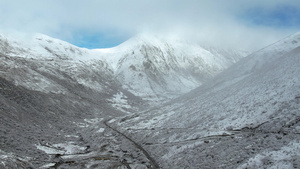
x: 148, y: 67
x: 168, y: 67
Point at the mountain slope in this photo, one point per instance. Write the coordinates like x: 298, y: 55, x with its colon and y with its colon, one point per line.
x: 156, y: 68
x: 153, y: 68
x: 52, y: 66
x: 246, y: 117
x: 53, y: 104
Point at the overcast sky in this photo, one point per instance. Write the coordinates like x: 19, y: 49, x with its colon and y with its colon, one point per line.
x: 246, y: 24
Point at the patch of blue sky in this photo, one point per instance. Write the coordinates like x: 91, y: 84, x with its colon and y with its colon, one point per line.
x: 95, y: 40
x: 281, y: 17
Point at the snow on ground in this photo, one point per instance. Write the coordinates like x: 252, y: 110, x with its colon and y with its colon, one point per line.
x: 93, y: 121
x: 75, y: 136
x: 261, y: 92
x: 89, y: 122
x: 47, y: 165
x: 100, y: 130
x: 50, y: 150
x: 61, y: 148
x: 281, y: 158
x: 10, y: 160
x: 119, y: 101
x: 158, y: 121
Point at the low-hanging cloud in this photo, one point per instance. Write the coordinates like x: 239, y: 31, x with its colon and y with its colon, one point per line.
x: 219, y: 22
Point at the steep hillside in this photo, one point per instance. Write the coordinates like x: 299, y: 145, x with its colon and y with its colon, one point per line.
x: 157, y: 68
x: 52, y: 66
x: 53, y: 105
x: 245, y: 117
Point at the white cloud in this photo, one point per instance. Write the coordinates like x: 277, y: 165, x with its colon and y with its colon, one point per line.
x: 216, y: 21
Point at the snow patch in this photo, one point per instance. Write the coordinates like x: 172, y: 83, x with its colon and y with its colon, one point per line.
x: 61, y: 148
x: 275, y: 159
x: 119, y: 101
x: 8, y: 160
x: 100, y: 130
x: 47, y: 165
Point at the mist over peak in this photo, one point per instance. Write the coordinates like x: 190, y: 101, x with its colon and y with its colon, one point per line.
x: 109, y: 23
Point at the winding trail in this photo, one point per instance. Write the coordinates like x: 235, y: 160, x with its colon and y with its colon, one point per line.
x: 138, y: 146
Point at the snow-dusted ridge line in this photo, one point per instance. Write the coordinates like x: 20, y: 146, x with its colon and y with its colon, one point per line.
x: 151, y: 67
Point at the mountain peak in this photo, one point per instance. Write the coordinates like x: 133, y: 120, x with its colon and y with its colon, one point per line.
x: 148, y: 65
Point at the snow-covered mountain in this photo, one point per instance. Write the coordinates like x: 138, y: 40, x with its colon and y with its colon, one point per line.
x: 56, y: 99
x: 246, y: 117
x: 53, y: 102
x: 67, y: 107
x: 156, y: 68
x: 49, y: 65
x: 147, y: 66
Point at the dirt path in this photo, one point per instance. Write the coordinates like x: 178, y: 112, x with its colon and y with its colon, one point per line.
x: 138, y: 146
